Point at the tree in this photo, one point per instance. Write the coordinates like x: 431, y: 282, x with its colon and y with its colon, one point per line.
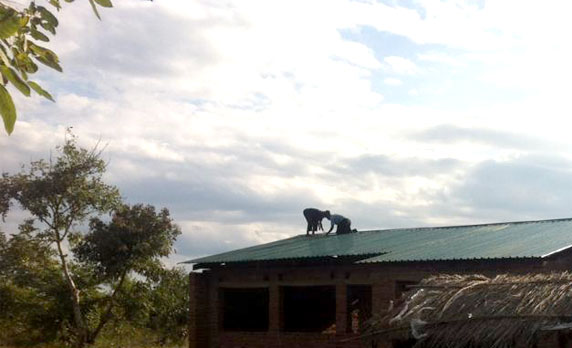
x: 20, y: 32
x: 61, y: 195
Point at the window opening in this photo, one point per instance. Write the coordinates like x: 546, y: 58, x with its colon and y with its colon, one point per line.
x: 308, y: 308
x: 245, y: 309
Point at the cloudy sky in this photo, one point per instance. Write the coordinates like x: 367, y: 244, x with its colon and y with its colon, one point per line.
x: 237, y: 115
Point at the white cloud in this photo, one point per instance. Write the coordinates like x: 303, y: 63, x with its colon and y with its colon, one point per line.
x: 400, y: 65
x: 440, y: 57
x: 391, y: 81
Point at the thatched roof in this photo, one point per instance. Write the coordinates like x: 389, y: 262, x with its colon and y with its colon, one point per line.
x: 474, y: 310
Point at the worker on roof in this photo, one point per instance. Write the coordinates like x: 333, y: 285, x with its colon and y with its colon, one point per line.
x: 314, y: 219
x: 344, y: 224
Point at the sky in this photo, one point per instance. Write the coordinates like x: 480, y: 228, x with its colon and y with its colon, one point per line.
x: 237, y: 115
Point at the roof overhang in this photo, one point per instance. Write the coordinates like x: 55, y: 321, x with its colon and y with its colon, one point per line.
x: 303, y: 261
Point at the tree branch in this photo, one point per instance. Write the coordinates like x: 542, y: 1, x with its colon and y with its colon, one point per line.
x: 107, y: 315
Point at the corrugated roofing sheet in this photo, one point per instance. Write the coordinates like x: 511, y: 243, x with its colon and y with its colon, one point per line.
x: 499, y: 240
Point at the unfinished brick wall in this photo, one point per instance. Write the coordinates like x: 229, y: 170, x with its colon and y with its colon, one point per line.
x: 198, y: 310
x: 383, y: 279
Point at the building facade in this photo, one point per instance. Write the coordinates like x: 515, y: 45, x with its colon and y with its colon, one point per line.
x: 320, y: 291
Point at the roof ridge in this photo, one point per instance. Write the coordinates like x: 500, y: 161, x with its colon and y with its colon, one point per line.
x: 470, y: 225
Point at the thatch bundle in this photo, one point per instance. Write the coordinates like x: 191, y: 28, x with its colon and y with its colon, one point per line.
x: 473, y: 310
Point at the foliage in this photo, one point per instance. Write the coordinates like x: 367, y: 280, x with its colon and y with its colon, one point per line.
x: 126, y: 335
x: 70, y: 281
x: 35, y: 306
x: 61, y: 193
x: 20, y: 51
x: 169, y: 306
x: 134, y: 240
x: 33, y: 300
x: 159, y: 303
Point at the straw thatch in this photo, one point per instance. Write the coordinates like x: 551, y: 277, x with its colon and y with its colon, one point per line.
x: 474, y: 310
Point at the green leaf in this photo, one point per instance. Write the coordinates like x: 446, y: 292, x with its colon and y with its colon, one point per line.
x: 46, y: 57
x: 104, y: 3
x: 48, y: 62
x: 24, y: 21
x: 55, y: 3
x: 48, y: 16
x: 7, y: 110
x: 16, y: 80
x: 10, y: 22
x: 48, y: 27
x: 38, y: 50
x: 4, y: 57
x: 24, y: 63
x: 94, y: 8
x: 40, y: 90
x: 39, y: 35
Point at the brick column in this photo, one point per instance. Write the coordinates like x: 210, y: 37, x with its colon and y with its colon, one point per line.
x: 198, y: 309
x: 382, y: 292
x: 341, y: 308
x: 274, y: 308
x: 214, y: 313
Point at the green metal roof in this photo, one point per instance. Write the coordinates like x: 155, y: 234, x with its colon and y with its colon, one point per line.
x: 498, y: 240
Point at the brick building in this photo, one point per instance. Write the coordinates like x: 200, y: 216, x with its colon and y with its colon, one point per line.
x: 317, y: 291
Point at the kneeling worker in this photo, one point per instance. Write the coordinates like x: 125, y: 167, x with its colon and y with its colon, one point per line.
x: 344, y: 224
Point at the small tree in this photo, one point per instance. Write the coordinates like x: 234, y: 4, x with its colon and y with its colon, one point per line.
x: 61, y: 194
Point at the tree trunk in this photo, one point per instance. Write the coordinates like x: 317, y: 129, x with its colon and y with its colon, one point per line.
x: 81, y: 328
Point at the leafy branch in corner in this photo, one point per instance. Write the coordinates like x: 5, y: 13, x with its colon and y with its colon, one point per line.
x: 21, y: 34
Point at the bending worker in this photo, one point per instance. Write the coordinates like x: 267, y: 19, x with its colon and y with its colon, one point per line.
x: 344, y: 224
x: 314, y: 219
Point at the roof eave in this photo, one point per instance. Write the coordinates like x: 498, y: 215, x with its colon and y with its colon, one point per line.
x: 300, y: 261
